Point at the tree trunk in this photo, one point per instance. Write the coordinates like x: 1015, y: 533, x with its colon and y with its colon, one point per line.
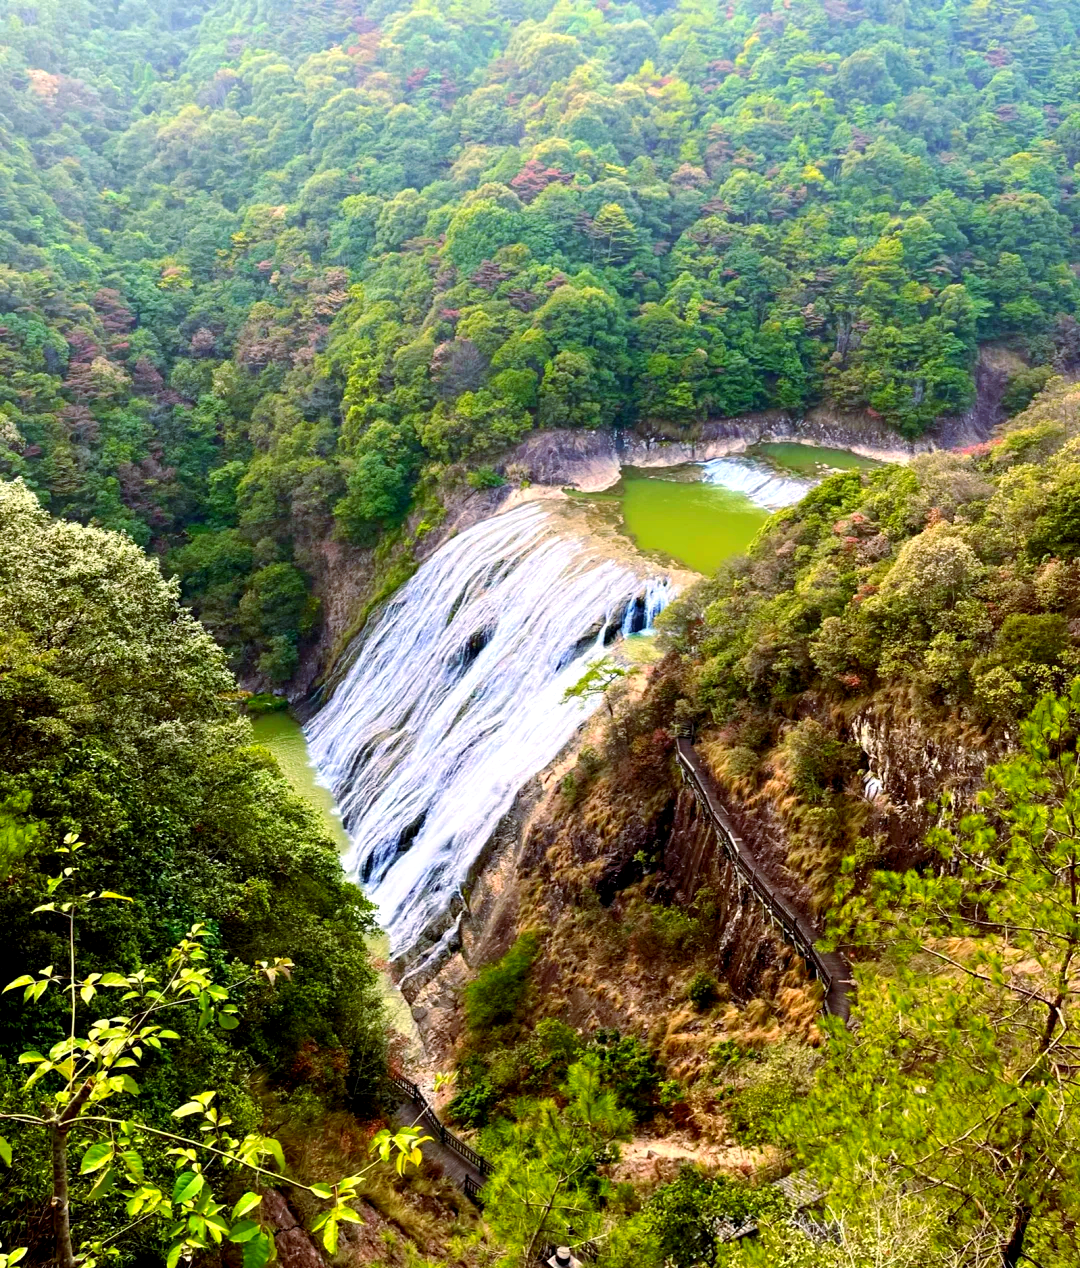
x: 1013, y: 1250
x: 61, y: 1212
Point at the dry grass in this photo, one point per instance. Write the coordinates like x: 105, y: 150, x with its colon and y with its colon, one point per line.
x: 422, y: 1208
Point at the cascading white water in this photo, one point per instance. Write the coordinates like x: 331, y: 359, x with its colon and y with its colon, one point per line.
x: 454, y: 701
x: 757, y: 481
x: 643, y: 611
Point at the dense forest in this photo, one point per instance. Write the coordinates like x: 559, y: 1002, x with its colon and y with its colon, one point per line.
x: 269, y: 268
x: 275, y: 273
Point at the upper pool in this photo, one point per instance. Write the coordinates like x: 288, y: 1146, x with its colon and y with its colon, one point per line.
x: 700, y: 514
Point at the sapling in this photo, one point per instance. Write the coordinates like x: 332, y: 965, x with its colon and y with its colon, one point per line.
x: 83, y: 1073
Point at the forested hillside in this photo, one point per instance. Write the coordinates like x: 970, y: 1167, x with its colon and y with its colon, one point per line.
x: 118, y: 722
x: 266, y: 264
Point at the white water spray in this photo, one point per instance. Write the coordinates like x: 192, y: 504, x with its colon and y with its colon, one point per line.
x: 454, y: 701
x: 757, y: 481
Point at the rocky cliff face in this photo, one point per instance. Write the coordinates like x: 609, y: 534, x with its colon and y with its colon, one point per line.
x: 592, y: 878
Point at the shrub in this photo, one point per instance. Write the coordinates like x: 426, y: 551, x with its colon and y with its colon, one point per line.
x: 669, y: 932
x: 1032, y: 639
x: 629, y: 1069
x: 485, y: 478
x: 265, y: 702
x: 702, y: 990
x: 472, y: 1105
x: 497, y: 994
x: 1023, y: 387
x: 683, y: 1216
x: 817, y: 760
x: 766, y: 1088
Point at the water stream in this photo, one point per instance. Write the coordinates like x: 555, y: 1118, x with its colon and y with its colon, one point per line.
x: 455, y: 699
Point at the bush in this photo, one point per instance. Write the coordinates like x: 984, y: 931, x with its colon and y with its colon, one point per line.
x: 767, y: 1086
x: 629, y: 1069
x: 670, y: 933
x: 703, y: 990
x: 496, y: 996
x: 265, y: 702
x: 472, y: 1106
x: 683, y: 1216
x: 485, y: 478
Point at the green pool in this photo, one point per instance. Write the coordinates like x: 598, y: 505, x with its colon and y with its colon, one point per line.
x: 281, y: 734
x: 680, y: 513
x: 674, y: 513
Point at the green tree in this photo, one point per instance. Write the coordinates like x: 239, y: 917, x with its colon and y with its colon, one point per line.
x: 614, y: 234
x: 961, y: 1077
x: 82, y: 1072
x: 547, y: 1181
x: 599, y: 676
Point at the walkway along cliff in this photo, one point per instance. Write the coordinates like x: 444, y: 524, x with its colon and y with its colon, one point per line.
x: 830, y: 967
x: 469, y: 1169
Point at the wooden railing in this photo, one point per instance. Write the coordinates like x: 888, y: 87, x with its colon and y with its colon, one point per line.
x: 442, y: 1133
x: 830, y: 967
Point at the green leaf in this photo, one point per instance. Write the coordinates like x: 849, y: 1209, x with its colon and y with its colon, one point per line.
x: 30, y: 1058
x: 228, y: 1023
x: 322, y: 1190
x: 192, y: 1107
x: 134, y: 1164
x: 111, y: 893
x: 5, y: 1152
x: 106, y: 1182
x: 25, y: 980
x: 96, y: 1157
x: 271, y: 1146
x: 173, y: 1257
x: 112, y: 979
x: 330, y: 1234
x: 257, y: 1252
x: 188, y: 1183
x: 244, y: 1231
x: 247, y: 1203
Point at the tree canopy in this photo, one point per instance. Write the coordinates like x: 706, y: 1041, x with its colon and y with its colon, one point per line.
x: 263, y: 265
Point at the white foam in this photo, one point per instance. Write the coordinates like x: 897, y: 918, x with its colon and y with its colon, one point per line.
x: 454, y: 701
x: 757, y: 481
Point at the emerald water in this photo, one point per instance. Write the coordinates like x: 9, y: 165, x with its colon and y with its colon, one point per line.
x: 283, y: 736
x: 675, y: 513
x: 703, y: 513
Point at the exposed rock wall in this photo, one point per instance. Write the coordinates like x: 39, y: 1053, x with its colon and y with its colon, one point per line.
x: 550, y: 871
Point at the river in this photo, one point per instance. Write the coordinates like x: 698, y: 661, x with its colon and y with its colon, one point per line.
x: 284, y: 737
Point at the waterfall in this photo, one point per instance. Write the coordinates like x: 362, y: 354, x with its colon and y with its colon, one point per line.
x: 756, y: 480
x: 454, y: 701
x: 642, y: 611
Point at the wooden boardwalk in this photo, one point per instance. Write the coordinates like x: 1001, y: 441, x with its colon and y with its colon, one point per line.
x: 796, y: 928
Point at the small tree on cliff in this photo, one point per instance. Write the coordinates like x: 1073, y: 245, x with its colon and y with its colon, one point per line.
x: 81, y: 1072
x: 598, y: 677
x: 963, y: 1076
x: 546, y: 1186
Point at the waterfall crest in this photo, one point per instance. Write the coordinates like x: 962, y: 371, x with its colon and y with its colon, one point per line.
x: 757, y: 481
x: 454, y: 700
